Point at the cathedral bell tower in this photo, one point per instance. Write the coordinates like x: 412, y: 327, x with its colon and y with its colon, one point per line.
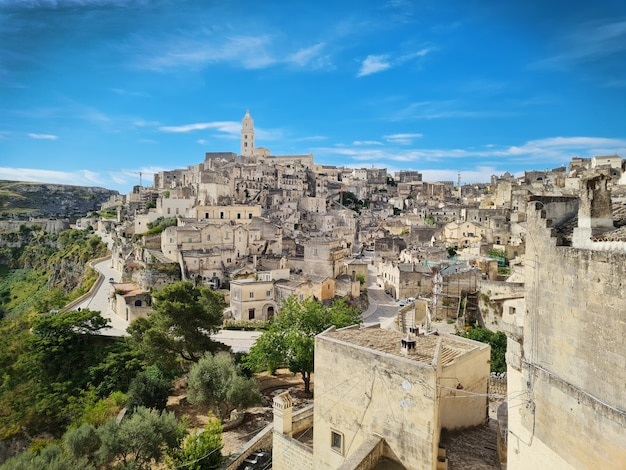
x: 247, y: 136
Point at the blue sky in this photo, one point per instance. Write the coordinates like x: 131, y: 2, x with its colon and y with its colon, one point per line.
x: 92, y: 92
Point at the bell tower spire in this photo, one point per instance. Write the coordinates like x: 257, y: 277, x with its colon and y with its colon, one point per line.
x: 247, y: 135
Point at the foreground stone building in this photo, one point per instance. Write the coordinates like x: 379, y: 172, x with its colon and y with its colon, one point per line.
x: 384, y: 398
x: 566, y: 351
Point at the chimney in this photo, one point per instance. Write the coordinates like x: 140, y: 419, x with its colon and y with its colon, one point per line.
x: 595, y: 211
x: 283, y: 410
x: 408, y: 345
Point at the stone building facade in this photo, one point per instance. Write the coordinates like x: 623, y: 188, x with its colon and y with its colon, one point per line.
x: 380, y: 395
x: 566, y: 353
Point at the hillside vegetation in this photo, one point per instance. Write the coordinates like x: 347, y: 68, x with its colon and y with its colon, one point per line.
x: 63, y: 382
x: 40, y: 272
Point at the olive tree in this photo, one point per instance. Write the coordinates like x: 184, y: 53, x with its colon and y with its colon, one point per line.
x: 216, y: 381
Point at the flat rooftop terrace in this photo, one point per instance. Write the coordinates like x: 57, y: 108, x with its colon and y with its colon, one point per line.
x: 389, y: 341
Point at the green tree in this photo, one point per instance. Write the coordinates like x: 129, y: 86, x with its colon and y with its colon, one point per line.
x: 63, y: 344
x: 216, y: 381
x: 149, y: 389
x: 290, y: 339
x: 82, y: 442
x: 115, y: 372
x: 50, y: 457
x: 140, y: 441
x: 497, y: 341
x: 183, y: 318
x: 55, y: 366
x: 200, y: 450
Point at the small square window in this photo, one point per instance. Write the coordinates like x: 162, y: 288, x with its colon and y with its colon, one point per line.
x: 336, y: 441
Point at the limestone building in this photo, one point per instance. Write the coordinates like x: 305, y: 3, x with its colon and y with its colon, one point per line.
x: 566, y: 351
x: 383, y: 397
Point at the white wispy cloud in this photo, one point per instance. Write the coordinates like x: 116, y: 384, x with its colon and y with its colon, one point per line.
x: 143, y: 123
x: 313, y: 57
x: 77, y: 178
x: 366, y: 142
x: 420, y: 53
x: 228, y: 127
x: 446, y: 109
x: 58, y: 4
x: 374, y: 64
x: 588, y: 42
x: 378, y: 63
x: 123, y: 92
x: 402, y: 138
x: 310, y: 138
x: 251, y: 52
x: 43, y: 136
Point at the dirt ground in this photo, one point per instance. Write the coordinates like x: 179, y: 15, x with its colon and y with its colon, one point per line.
x: 255, y: 418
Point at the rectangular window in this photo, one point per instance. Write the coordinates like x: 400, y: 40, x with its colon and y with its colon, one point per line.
x: 252, y: 295
x: 268, y: 294
x: 251, y: 314
x: 238, y: 215
x: 208, y: 237
x: 206, y: 215
x: 336, y: 442
x: 221, y: 215
x: 249, y: 216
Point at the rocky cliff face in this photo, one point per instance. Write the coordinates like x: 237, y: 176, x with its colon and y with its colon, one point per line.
x: 24, y: 199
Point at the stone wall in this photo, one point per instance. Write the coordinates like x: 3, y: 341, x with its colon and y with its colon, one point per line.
x: 569, y: 407
x: 289, y: 454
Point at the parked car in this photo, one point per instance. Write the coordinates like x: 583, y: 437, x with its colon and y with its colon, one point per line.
x: 257, y: 460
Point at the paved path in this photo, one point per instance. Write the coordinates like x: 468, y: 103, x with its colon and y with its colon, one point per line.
x: 382, y: 308
x: 239, y: 341
x: 99, y: 301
